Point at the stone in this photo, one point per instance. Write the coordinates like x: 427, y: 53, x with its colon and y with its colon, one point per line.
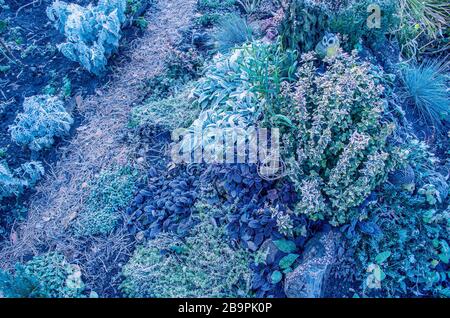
x: 307, y: 280
x: 269, y: 247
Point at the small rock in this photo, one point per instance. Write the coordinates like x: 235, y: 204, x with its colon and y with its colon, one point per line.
x: 269, y: 247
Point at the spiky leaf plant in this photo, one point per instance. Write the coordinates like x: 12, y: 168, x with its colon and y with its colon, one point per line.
x: 232, y: 31
x: 426, y: 90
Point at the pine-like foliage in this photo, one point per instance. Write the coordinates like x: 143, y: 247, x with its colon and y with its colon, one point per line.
x: 92, y: 32
x: 43, y: 118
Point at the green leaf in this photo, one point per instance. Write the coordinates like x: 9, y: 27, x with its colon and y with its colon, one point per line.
x: 288, y: 260
x: 445, y: 292
x: 444, y: 257
x: 380, y: 258
x: 276, y: 277
x: 285, y: 246
x: 379, y: 274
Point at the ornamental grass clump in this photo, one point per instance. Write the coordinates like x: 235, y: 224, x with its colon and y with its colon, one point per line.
x: 339, y: 140
x: 426, y: 92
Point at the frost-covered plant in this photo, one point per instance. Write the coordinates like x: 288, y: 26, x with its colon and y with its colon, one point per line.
x: 92, y: 33
x: 239, y: 89
x: 249, y: 6
x: 339, y: 140
x: 48, y: 275
x: 43, y: 119
x: 111, y: 192
x: 170, y: 113
x: 203, y: 265
x: 14, y: 182
x: 9, y: 183
x: 426, y: 90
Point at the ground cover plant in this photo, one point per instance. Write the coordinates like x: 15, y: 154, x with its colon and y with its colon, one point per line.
x: 101, y: 195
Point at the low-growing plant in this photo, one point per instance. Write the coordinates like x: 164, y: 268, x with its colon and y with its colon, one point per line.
x: 170, y: 113
x: 92, y: 33
x: 208, y: 19
x: 141, y: 22
x: 47, y: 276
x: 109, y: 194
x: 426, y: 91
x: 43, y: 119
x: 408, y: 255
x: 208, y: 5
x: 232, y: 31
x: 202, y: 265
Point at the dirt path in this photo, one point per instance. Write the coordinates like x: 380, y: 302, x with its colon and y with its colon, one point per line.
x: 98, y: 144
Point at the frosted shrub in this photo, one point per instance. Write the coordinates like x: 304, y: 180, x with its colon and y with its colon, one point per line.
x: 14, y: 182
x: 92, y: 33
x: 43, y: 118
x: 341, y: 153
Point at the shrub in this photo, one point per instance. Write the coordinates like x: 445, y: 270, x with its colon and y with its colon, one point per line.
x: 232, y: 31
x: 92, y: 33
x: 303, y: 26
x: 43, y: 119
x: 215, y: 4
x: 48, y: 276
x: 14, y: 182
x: 339, y: 140
x: 201, y: 266
x: 112, y: 191
x: 426, y: 91
x: 351, y: 22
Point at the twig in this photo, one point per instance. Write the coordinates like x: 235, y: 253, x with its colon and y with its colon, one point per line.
x: 26, y: 5
x: 8, y: 54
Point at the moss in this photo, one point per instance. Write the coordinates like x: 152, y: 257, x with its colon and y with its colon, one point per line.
x: 169, y: 113
x: 112, y: 191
